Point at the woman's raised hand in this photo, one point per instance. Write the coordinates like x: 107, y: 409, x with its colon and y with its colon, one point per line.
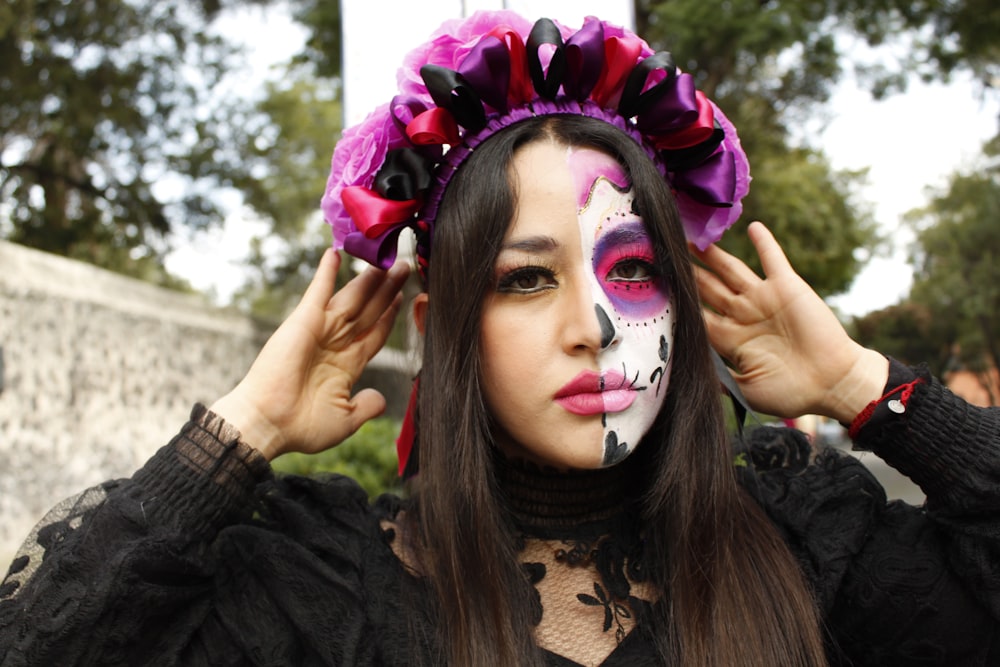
x: 791, y: 354
x: 296, y: 396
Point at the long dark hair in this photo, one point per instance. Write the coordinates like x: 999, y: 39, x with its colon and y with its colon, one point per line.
x: 730, y: 592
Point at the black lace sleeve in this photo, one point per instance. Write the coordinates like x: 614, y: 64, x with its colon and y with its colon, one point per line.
x: 897, y: 585
x: 127, y: 559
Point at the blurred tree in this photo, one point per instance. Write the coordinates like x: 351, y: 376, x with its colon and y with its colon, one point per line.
x: 323, y: 47
x: 951, y: 318
x: 288, y: 147
x: 941, y: 38
x: 108, y: 137
x: 909, y: 332
x: 794, y: 50
x: 770, y: 65
x: 957, y: 262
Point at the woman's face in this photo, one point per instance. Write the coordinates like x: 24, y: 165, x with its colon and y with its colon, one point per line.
x: 577, y: 333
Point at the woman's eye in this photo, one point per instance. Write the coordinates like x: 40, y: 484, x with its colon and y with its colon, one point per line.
x: 527, y: 280
x: 631, y: 270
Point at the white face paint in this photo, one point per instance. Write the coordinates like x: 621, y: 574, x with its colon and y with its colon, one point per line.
x: 576, y: 338
x: 632, y: 302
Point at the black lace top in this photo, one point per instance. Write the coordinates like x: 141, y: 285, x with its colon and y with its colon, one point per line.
x: 204, y: 558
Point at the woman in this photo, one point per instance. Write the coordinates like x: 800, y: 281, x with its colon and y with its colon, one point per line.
x: 577, y: 500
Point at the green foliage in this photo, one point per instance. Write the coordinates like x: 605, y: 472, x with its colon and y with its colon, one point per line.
x: 810, y: 209
x: 957, y: 260
x: 909, y: 332
x: 767, y: 64
x: 941, y: 37
x: 323, y: 45
x: 289, y: 147
x: 951, y: 318
x: 734, y: 46
x: 732, y: 49
x: 101, y: 103
x: 368, y: 457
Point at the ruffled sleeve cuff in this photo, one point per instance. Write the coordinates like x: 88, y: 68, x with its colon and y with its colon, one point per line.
x: 206, y: 476
x: 949, y: 448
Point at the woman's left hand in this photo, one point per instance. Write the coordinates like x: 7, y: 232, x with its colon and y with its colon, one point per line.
x: 791, y: 354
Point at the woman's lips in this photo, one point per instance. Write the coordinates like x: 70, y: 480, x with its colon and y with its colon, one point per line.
x: 591, y: 393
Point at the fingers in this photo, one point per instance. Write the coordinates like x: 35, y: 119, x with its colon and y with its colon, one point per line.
x: 364, y: 300
x: 323, y: 282
x: 772, y: 257
x: 368, y: 404
x: 374, y: 338
x: 736, y: 275
x: 713, y: 292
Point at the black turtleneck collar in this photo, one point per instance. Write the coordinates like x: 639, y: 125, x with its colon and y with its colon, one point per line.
x: 549, y: 503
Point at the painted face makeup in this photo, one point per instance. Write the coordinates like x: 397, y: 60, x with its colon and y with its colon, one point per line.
x: 631, y: 301
x: 576, y: 338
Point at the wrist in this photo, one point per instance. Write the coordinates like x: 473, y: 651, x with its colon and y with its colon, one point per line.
x: 255, y: 430
x: 862, y: 384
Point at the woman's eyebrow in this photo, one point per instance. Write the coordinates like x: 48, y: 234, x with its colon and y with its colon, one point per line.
x: 533, y: 244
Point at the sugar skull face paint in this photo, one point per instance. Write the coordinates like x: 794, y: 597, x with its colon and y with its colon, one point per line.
x: 576, y: 338
x: 629, y: 294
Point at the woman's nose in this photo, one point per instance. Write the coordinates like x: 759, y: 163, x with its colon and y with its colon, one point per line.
x: 587, y: 324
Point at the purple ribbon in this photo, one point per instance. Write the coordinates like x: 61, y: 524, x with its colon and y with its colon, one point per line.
x: 676, y: 108
x: 713, y: 182
x: 487, y: 69
x: 379, y: 251
x: 584, y: 60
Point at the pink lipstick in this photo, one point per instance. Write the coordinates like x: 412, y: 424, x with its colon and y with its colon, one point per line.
x: 591, y: 393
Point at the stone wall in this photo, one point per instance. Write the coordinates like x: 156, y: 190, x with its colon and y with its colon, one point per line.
x: 97, y: 371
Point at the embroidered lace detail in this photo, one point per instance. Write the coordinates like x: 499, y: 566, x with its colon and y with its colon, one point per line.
x: 583, y: 553
x: 54, y: 527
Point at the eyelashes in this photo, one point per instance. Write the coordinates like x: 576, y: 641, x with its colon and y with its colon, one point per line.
x: 527, y: 279
x: 534, y: 278
x: 632, y: 270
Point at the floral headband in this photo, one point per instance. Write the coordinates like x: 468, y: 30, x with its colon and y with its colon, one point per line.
x: 479, y: 75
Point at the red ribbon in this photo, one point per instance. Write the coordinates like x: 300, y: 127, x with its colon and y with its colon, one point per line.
x: 521, y: 89
x: 620, y: 56
x: 434, y: 126
x: 372, y: 214
x: 407, y: 434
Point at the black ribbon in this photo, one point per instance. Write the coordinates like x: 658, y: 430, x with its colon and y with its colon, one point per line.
x: 687, y: 158
x: 450, y: 90
x: 545, y: 32
x: 403, y: 176
x: 634, y: 101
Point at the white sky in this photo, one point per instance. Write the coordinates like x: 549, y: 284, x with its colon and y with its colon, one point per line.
x: 910, y: 142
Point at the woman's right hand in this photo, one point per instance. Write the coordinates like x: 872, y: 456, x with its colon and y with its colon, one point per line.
x: 296, y: 396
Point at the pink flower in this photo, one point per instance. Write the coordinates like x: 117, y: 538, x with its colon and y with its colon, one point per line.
x: 356, y: 159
